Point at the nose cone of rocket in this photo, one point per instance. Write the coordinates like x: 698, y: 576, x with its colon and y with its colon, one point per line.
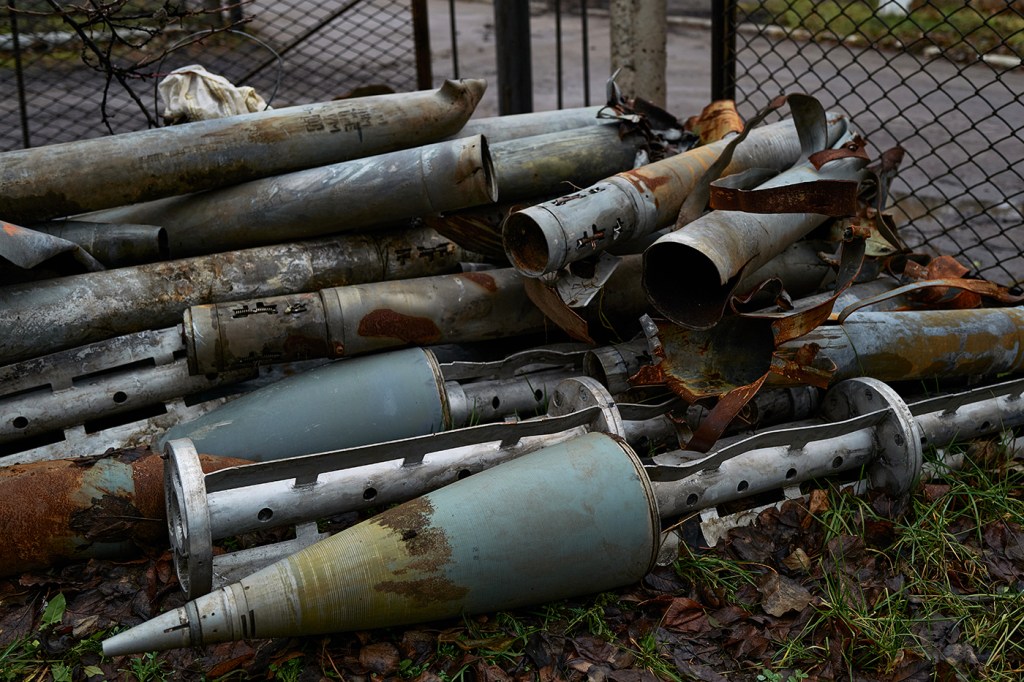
x: 205, y: 620
x: 166, y: 631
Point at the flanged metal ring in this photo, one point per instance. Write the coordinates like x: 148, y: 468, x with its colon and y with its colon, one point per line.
x: 578, y: 393
x: 188, y: 517
x: 897, y: 467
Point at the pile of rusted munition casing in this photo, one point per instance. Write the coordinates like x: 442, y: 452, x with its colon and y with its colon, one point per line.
x: 533, y: 338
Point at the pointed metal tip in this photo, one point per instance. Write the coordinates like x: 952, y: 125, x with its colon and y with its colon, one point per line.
x: 167, y: 631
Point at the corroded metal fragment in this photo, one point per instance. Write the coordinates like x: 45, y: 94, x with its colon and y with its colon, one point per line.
x: 106, y: 506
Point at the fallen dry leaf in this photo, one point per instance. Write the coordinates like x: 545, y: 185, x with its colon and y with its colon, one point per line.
x: 780, y: 595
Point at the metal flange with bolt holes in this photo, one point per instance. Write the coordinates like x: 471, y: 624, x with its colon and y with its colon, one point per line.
x: 870, y: 428
x: 897, y: 464
x: 188, y: 516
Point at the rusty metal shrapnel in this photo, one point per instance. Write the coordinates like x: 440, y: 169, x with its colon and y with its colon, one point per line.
x: 23, y: 249
x: 67, y: 312
x: 570, y: 300
x: 547, y: 237
x: 690, y: 274
x: 346, y: 321
x: 740, y: 354
x: 375, y: 191
x: 473, y: 546
x: 107, y: 506
x: 74, y: 177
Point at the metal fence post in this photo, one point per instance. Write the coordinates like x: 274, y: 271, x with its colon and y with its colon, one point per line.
x: 421, y: 46
x: 723, y: 49
x: 19, y: 73
x: 638, y: 37
x: 512, y: 40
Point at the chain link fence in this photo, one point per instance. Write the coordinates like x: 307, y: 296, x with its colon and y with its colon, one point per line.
x: 72, y: 71
x: 943, y: 80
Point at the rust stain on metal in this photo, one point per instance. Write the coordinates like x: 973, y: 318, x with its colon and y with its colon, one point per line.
x: 110, y: 518
x: 299, y: 346
x: 410, y: 329
x: 824, y: 197
x: 47, y: 520
x: 36, y: 505
x: 892, y: 365
x: 412, y: 522
x: 554, y: 308
x: 476, y: 229
x: 425, y: 591
x: 482, y: 279
x: 148, y: 479
x: 644, y: 181
x: 11, y: 229
x: 852, y: 149
x: 429, y: 550
x: 717, y: 120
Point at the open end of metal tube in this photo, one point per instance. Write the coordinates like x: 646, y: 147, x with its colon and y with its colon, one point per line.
x: 593, y: 367
x: 490, y: 181
x: 163, y: 244
x: 526, y: 245
x: 683, y: 284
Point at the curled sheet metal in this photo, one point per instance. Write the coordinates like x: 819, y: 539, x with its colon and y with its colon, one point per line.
x: 716, y: 121
x: 731, y: 361
x: 68, y: 312
x: 112, y: 245
x: 547, y: 237
x: 75, y: 177
x: 611, y: 308
x: 26, y: 248
x: 586, y: 301
x: 375, y: 191
x: 690, y: 274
